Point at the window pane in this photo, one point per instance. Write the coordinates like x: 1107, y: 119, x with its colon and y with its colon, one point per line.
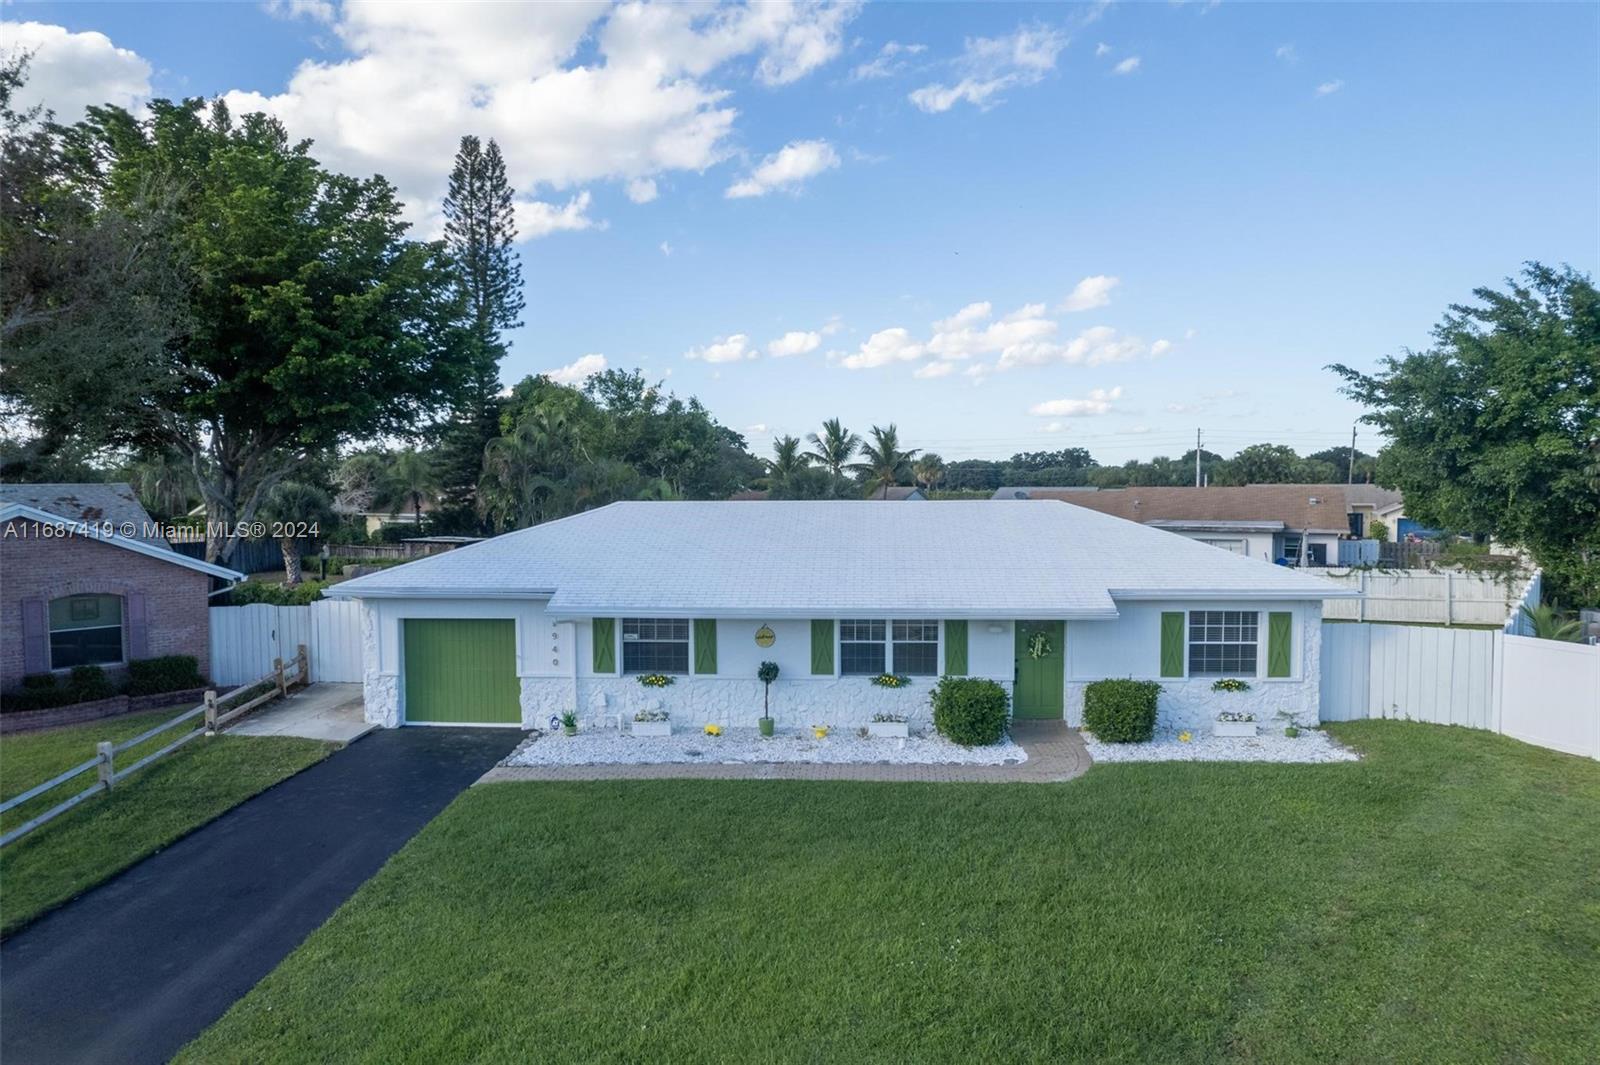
x: 861, y: 629
x: 916, y: 659
x: 655, y: 645
x: 1223, y: 642
x: 85, y: 612
x: 860, y: 658
x: 85, y: 647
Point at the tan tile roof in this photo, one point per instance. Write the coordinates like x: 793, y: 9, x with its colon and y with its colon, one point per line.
x: 1298, y: 506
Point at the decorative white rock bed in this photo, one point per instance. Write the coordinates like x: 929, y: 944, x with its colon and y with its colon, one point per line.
x: 741, y: 746
x: 1310, y: 746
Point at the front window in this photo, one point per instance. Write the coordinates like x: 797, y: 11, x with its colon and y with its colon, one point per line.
x: 655, y: 645
x: 916, y: 648
x: 861, y: 648
x: 1222, y: 643
x: 1291, y: 548
x: 85, y: 630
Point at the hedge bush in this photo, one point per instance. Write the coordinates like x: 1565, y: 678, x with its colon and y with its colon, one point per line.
x: 44, y: 691
x: 168, y: 673
x: 1121, y: 711
x: 970, y: 711
x: 248, y: 592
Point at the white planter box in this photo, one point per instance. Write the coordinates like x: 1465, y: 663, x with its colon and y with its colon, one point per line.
x: 652, y: 728
x: 891, y: 730
x: 1233, y: 728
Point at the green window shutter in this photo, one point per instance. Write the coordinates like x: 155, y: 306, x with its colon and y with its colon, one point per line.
x: 955, y: 648
x: 822, y: 648
x: 1280, y: 643
x: 605, y: 645
x: 1172, y: 644
x: 705, y: 645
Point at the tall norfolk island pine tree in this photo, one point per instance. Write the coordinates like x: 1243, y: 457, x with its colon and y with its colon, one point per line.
x: 480, y: 231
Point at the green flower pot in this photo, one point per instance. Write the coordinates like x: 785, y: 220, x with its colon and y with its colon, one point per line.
x: 570, y: 730
x: 1291, y: 732
x: 766, y: 726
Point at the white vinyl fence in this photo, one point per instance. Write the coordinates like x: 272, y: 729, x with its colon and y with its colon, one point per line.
x: 1435, y: 597
x: 1543, y: 692
x: 245, y: 640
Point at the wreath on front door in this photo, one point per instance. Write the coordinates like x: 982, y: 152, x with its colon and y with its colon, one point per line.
x: 1039, y: 646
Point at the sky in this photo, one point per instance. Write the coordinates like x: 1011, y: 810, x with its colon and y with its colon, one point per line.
x: 1000, y: 227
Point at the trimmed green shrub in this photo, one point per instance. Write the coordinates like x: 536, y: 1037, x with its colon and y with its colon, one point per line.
x: 39, y: 680
x: 1121, y: 711
x: 90, y: 682
x: 168, y: 673
x: 248, y: 592
x: 970, y: 711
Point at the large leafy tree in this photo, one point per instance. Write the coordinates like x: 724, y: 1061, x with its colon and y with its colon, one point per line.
x: 309, y: 319
x: 1496, y: 427
x: 480, y: 232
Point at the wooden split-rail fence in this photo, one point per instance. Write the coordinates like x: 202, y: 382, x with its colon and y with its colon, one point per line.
x: 217, y: 713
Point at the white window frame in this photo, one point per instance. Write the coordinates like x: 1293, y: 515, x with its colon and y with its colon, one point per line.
x: 889, y: 665
x: 121, y: 626
x: 623, y: 641
x: 1189, y: 643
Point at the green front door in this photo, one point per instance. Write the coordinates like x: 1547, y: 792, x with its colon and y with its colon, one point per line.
x: 461, y: 671
x: 1041, y: 669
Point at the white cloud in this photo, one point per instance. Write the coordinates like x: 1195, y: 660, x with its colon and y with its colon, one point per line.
x: 1287, y: 53
x: 641, y: 190
x: 537, y: 219
x: 794, y: 342
x: 786, y: 170
x: 1099, y: 401
x: 70, y: 71
x: 666, y: 249
x: 935, y: 369
x: 1092, y: 347
x: 758, y: 427
x: 1127, y: 66
x: 1090, y: 293
x: 888, y: 61
x: 1328, y: 88
x: 1102, y: 49
x: 991, y: 65
x: 321, y: 11
x: 735, y: 348
x: 576, y: 372
x: 884, y: 347
x: 1190, y: 334
x: 574, y: 93
x: 1161, y: 347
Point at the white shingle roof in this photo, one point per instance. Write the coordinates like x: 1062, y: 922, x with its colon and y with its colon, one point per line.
x: 953, y: 559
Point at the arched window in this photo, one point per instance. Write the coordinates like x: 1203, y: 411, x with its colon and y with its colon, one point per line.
x: 85, y: 630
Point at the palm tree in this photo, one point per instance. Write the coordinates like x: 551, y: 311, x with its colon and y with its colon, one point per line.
x: 787, y: 461
x: 290, y: 506
x: 929, y: 470
x: 884, y: 464
x: 164, y: 482
x: 413, y: 480
x: 525, y: 477
x: 1549, y: 623
x: 833, y: 447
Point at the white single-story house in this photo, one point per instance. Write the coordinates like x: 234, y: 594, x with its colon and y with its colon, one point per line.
x: 1040, y: 596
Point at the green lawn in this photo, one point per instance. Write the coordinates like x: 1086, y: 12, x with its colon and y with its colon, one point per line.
x: 106, y: 834
x: 1436, y: 902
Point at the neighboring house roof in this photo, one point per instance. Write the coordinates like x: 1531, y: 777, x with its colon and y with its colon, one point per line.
x: 116, y: 505
x: 1370, y: 495
x: 959, y: 559
x: 94, y: 529
x: 1022, y: 491
x: 1315, y: 507
x: 899, y: 491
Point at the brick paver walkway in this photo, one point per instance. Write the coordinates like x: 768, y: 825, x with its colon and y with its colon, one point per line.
x: 1055, y: 753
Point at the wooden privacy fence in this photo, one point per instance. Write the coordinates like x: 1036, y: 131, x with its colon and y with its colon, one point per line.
x: 1544, y: 692
x: 245, y: 639
x: 1436, y: 597
x: 108, y: 774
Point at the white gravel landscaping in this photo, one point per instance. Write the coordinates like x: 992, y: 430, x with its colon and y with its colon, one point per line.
x: 1310, y: 746
x: 741, y: 746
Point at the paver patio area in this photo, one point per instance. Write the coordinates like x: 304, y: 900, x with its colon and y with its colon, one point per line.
x: 1055, y: 753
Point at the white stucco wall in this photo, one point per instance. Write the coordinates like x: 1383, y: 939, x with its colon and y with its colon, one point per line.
x: 1130, y: 646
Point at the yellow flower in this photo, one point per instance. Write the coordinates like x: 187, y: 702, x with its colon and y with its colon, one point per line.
x: 820, y: 731
x: 1184, y: 736
x: 713, y: 730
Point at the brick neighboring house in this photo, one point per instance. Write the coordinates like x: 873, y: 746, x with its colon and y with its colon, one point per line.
x: 87, y: 579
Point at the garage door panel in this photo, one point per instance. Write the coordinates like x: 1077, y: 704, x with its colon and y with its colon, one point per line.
x: 461, y: 671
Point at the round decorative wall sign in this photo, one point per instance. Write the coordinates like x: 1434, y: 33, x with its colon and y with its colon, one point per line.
x: 765, y: 637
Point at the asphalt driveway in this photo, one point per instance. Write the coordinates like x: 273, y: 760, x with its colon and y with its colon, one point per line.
x: 134, y: 969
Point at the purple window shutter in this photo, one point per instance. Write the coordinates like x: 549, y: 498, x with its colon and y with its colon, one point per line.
x: 35, y: 636
x: 138, y: 627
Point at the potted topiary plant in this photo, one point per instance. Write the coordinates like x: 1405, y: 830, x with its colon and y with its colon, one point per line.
x: 766, y: 674
x: 569, y: 723
x: 889, y: 726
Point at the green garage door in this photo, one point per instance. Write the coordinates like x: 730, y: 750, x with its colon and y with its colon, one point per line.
x: 461, y: 671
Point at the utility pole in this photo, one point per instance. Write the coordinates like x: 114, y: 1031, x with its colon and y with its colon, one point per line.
x: 1351, y: 479
x: 1197, y: 458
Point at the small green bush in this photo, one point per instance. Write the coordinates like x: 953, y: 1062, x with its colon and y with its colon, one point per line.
x: 90, y: 682
x: 970, y: 711
x: 1121, y: 711
x: 39, y: 680
x: 36, y: 697
x: 168, y: 673
x: 248, y: 592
